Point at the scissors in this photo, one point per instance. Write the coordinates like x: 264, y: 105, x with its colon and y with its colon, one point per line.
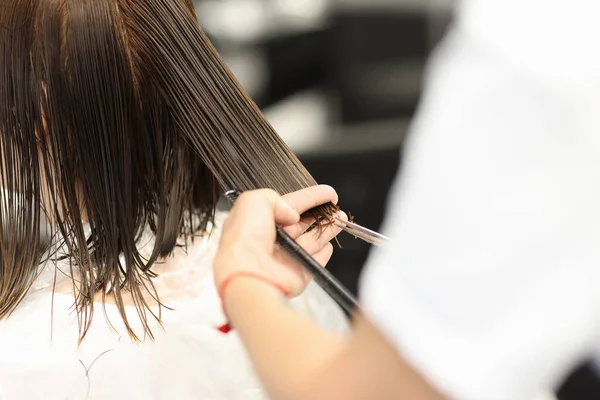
x: 362, y: 233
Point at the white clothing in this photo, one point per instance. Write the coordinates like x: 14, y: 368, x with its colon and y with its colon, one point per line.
x: 490, y: 290
x: 189, y: 358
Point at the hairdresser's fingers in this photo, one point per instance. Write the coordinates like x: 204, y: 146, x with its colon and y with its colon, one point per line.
x: 300, y: 228
x: 324, y: 255
x: 305, y: 199
x: 302, y: 278
x: 315, y: 240
x: 253, y: 217
x: 313, y: 243
x: 248, y: 237
x: 258, y: 205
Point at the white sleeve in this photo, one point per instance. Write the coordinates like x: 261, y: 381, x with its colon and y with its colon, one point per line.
x: 491, y: 289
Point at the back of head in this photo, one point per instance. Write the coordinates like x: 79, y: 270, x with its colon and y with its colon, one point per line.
x: 122, y: 111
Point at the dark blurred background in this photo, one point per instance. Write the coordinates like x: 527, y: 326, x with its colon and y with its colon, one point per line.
x: 339, y: 80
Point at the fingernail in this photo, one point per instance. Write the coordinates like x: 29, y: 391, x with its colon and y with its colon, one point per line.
x: 342, y: 215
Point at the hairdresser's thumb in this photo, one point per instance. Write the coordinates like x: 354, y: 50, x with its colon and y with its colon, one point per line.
x: 256, y: 213
x: 283, y: 212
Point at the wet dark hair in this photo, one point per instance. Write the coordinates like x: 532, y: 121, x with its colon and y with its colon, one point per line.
x: 121, y: 109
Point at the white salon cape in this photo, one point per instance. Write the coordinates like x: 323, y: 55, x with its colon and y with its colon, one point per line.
x: 492, y: 288
x: 189, y: 359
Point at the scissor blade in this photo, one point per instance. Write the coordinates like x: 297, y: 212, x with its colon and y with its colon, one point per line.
x: 363, y: 233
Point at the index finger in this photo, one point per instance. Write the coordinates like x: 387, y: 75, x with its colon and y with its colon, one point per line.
x: 305, y: 199
x: 254, y: 215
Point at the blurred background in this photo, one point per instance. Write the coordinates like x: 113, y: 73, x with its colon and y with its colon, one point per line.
x: 339, y: 80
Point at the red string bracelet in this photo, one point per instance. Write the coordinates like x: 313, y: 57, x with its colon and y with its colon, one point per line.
x: 226, y: 328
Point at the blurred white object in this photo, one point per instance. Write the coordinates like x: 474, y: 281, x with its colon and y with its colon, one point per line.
x: 302, y: 9
x: 189, y: 358
x: 546, y: 397
x: 249, y: 67
x: 301, y: 120
x: 491, y: 289
x: 246, y: 21
x: 233, y: 19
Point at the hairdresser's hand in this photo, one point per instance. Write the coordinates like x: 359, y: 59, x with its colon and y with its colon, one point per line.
x: 248, y: 240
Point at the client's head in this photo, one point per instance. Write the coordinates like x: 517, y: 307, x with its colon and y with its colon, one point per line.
x: 119, y: 112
